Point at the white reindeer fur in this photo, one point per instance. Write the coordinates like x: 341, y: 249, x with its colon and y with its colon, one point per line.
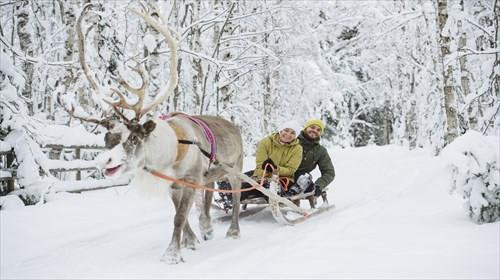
x: 159, y: 152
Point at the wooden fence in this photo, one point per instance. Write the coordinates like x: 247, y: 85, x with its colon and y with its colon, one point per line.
x: 58, y: 165
x: 61, y: 161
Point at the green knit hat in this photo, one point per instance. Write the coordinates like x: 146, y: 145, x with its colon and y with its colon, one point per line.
x: 317, y: 122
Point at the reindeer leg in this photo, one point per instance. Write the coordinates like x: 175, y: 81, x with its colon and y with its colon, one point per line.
x: 189, y: 239
x: 172, y: 254
x: 205, y: 221
x: 234, y: 228
x: 183, y: 199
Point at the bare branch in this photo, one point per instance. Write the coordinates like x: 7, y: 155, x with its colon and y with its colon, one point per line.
x: 479, y: 27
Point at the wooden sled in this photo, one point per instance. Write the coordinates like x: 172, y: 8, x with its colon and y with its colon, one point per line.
x: 284, y: 209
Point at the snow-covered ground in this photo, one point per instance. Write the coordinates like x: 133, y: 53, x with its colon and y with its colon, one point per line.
x: 394, y: 218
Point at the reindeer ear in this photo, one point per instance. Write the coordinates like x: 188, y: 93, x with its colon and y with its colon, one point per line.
x: 149, y: 126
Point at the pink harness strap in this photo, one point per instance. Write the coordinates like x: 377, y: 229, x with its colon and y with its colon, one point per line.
x: 209, y: 134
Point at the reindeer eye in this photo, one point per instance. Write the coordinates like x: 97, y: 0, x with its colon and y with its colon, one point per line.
x: 135, y: 140
x: 132, y: 141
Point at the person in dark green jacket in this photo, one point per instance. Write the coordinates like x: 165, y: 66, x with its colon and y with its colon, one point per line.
x: 313, y: 155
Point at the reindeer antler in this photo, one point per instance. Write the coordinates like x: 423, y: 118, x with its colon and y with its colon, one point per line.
x: 103, y: 122
x: 86, y: 70
x: 139, y: 108
x: 172, y: 84
x: 81, y: 49
x: 139, y: 92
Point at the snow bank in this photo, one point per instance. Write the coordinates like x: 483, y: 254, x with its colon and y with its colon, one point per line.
x: 473, y: 160
x: 28, y: 156
x: 9, y: 202
x: 33, y: 177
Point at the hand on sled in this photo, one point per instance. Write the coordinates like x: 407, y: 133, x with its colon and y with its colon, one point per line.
x: 268, y: 165
x: 317, y: 190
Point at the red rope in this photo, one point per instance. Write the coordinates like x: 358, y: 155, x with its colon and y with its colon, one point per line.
x: 203, y: 187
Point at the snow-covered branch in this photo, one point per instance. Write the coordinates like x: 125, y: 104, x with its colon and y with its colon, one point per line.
x: 475, y: 24
x: 35, y: 60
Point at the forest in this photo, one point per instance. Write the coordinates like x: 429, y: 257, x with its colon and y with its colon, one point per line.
x: 414, y: 73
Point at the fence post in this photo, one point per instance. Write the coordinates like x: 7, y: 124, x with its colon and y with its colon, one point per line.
x: 79, y: 172
x: 10, y: 160
x: 55, y: 153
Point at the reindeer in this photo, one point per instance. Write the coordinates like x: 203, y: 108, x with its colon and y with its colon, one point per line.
x: 176, y: 146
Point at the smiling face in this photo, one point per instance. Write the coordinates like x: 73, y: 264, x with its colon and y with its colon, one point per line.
x: 123, y: 144
x: 313, y: 132
x: 287, y: 135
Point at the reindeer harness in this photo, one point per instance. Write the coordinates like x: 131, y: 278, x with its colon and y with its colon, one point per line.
x: 206, y: 129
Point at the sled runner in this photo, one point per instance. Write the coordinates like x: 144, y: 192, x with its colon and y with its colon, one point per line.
x: 246, y: 213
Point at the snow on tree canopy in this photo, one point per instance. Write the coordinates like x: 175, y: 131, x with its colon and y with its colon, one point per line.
x: 7, y: 67
x: 70, y: 136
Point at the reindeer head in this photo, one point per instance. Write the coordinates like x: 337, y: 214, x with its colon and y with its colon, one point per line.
x: 125, y: 140
x: 125, y: 144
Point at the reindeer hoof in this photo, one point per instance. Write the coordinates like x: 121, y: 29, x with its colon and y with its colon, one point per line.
x: 233, y: 233
x: 208, y: 235
x: 190, y: 244
x: 172, y: 259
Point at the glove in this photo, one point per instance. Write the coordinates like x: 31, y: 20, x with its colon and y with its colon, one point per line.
x: 268, y: 165
x: 317, y: 191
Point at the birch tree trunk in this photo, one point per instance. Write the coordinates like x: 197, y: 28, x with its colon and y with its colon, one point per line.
x: 223, y: 94
x: 151, y: 38
x: 494, y: 77
x: 217, y: 7
x: 387, y: 117
x: 464, y: 73
x: 195, y: 45
x: 68, y: 18
x: 462, y: 43
x: 447, y: 73
x: 24, y: 31
x: 179, y: 24
x: 266, y: 90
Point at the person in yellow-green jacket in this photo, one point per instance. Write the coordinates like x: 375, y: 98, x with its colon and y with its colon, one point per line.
x: 281, y: 151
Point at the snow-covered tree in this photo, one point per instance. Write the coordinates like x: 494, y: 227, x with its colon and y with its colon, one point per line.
x: 475, y: 174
